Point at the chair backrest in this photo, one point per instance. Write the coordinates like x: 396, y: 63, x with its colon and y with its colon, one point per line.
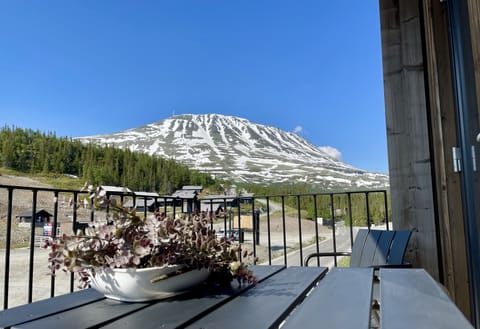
x: 379, y: 248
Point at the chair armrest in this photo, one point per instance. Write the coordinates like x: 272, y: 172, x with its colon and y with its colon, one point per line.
x: 326, y: 254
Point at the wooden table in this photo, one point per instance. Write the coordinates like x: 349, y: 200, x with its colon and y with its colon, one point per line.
x: 399, y: 298
x: 293, y: 297
x: 262, y: 306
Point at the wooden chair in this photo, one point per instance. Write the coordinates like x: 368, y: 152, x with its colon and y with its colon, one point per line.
x: 374, y: 248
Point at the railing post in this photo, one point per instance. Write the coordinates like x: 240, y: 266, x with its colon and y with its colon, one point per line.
x: 315, y: 215
x: 332, y: 213
x: 268, y: 232
x: 299, y: 215
x: 32, y: 246
x: 386, y: 209
x: 7, y: 248
x: 350, y: 215
x: 367, y: 204
x: 284, y: 231
x: 256, y: 226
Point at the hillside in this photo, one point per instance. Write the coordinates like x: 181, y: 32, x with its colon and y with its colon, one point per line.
x: 234, y: 148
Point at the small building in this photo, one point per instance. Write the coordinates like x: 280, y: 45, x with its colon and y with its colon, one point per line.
x: 148, y: 204
x: 41, y: 217
x: 217, y: 202
x: 187, y: 198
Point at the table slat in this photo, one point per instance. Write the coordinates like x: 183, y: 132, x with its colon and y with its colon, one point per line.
x: 46, y: 307
x: 86, y: 316
x: 266, y: 305
x: 411, y: 298
x: 341, y: 300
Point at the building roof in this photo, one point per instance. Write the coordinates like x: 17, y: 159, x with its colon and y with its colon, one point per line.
x: 198, y: 188
x: 184, y: 194
x: 115, y: 189
x: 146, y: 194
x: 40, y: 212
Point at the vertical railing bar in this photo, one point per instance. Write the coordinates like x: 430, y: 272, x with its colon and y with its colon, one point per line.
x: 211, y: 216
x: 315, y: 216
x: 269, y: 237
x: 144, y: 205
x: 332, y: 214
x: 284, y: 232
x: 165, y: 208
x: 225, y: 216
x: 122, y: 198
x: 239, y: 229
x: 7, y: 248
x: 255, y: 228
x: 350, y: 215
x: 54, y: 235
x: 107, y: 209
x: 92, y: 209
x: 300, y: 230
x: 367, y: 203
x: 32, y: 246
x: 386, y: 209
x: 74, y: 224
x: 174, y: 206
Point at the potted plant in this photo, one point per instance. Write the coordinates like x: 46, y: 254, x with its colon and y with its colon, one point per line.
x: 133, y: 258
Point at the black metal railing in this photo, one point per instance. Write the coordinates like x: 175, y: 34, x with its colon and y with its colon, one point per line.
x: 279, y: 229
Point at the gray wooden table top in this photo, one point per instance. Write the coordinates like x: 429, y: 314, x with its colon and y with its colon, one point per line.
x: 293, y: 297
x: 408, y: 298
x: 264, y: 305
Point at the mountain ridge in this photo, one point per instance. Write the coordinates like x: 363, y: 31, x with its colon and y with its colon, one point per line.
x: 234, y: 148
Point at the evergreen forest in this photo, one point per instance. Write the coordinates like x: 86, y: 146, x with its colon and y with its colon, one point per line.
x: 35, y: 152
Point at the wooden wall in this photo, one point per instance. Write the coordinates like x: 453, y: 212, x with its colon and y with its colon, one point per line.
x: 421, y: 132
x: 408, y: 130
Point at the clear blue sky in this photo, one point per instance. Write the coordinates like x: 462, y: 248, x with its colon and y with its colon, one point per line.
x: 87, y: 67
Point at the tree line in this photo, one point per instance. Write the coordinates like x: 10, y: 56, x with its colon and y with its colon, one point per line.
x: 349, y: 206
x: 35, y: 152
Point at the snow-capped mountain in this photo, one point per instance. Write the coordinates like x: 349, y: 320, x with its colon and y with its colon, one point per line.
x: 237, y: 149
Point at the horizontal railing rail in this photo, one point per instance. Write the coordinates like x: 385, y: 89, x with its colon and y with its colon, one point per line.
x: 279, y: 229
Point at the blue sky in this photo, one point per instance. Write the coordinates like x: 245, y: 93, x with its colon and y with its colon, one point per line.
x: 87, y: 67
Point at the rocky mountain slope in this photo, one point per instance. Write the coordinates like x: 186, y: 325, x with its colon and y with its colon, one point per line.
x: 237, y: 149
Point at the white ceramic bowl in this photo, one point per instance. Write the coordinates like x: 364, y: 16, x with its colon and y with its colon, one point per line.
x: 135, y: 285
